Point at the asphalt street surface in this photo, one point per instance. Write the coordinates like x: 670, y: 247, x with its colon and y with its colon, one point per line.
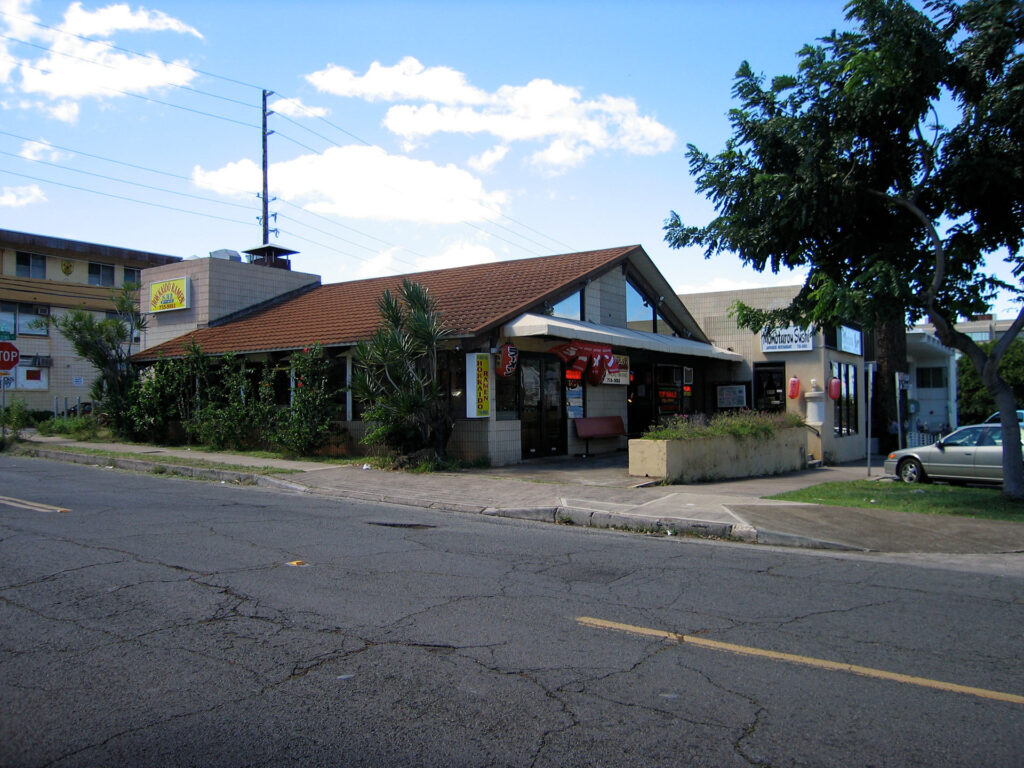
x: 163, y: 622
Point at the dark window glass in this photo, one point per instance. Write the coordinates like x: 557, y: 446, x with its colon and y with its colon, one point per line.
x: 845, y: 408
x: 101, y: 274
x: 30, y: 265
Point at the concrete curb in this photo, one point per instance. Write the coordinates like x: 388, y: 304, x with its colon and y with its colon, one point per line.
x: 582, y: 517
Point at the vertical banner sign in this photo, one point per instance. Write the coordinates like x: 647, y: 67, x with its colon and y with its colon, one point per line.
x: 478, y: 385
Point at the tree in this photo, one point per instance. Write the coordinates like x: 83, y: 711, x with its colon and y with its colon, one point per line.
x: 974, y: 403
x: 107, y: 345
x: 847, y: 170
x: 396, y: 374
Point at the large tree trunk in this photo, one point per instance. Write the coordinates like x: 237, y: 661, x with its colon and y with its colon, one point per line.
x: 891, y: 356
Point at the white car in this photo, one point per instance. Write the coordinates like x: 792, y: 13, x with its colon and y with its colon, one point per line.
x: 994, y: 418
x: 973, y: 453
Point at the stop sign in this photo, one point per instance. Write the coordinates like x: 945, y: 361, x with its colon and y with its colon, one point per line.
x: 9, y: 356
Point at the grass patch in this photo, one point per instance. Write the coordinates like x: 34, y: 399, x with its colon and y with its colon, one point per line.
x: 741, y: 424
x: 167, y: 463
x: 985, y: 503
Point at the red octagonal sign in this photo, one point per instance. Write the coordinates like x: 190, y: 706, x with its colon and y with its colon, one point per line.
x: 9, y: 356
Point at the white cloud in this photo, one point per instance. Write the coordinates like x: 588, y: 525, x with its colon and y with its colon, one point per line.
x: 18, y: 197
x: 460, y: 254
x: 486, y: 161
x: 571, y: 128
x: 364, y: 183
x: 239, y: 179
x: 73, y: 68
x: 116, y: 18
x: 41, y: 150
x: 295, y: 108
x: 408, y: 79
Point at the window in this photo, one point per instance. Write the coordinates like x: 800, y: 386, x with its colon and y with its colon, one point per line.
x: 8, y: 320
x: 570, y: 308
x: 133, y: 275
x: 845, y: 408
x: 101, y: 274
x: 770, y: 387
x: 30, y: 265
x: 639, y: 312
x: 931, y: 378
x: 506, y: 397
x: 32, y: 320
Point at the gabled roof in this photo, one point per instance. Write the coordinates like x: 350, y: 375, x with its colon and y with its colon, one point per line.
x: 472, y: 300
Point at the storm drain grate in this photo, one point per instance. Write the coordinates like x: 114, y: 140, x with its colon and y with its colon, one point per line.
x: 413, y: 526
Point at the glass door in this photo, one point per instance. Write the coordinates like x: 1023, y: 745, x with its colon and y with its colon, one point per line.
x: 543, y: 408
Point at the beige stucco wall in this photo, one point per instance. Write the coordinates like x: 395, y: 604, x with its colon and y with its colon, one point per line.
x: 717, y: 458
x: 711, y: 310
x: 219, y: 287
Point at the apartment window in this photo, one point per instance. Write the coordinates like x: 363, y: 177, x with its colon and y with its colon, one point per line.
x: 931, y: 378
x: 32, y: 320
x: 101, y: 274
x: 30, y: 265
x: 133, y: 275
x: 845, y: 408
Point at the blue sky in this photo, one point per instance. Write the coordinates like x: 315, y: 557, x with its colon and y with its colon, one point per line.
x: 408, y: 135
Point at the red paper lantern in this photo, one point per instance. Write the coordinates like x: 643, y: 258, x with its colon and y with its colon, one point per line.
x: 509, y: 359
x: 794, y: 388
x: 835, y: 388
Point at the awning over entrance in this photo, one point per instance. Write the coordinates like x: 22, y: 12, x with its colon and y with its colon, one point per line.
x: 545, y: 325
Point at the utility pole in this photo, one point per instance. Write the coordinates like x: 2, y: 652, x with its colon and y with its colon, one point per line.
x: 266, y: 196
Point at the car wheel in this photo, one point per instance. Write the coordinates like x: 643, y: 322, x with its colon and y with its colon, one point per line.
x: 911, y: 471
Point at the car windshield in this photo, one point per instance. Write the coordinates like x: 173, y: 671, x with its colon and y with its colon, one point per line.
x: 966, y: 437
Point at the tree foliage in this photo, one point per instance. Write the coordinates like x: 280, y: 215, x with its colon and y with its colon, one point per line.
x: 107, y: 344
x: 396, y: 374
x: 890, y: 166
x: 974, y: 402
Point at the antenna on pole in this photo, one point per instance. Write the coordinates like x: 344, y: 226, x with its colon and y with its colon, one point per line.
x: 266, y: 196
x: 267, y: 254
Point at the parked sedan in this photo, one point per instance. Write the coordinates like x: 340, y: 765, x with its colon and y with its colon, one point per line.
x: 972, y: 453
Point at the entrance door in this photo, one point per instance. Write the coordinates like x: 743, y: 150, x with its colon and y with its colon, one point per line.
x: 543, y: 411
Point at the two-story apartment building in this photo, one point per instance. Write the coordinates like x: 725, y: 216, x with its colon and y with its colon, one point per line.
x: 45, y: 276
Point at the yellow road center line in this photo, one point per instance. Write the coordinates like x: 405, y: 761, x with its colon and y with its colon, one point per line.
x: 32, y: 505
x: 792, y: 658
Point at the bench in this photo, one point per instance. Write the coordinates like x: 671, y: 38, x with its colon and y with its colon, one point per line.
x: 588, y: 427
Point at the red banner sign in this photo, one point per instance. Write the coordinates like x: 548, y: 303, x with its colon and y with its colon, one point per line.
x: 509, y: 359
x: 595, y: 359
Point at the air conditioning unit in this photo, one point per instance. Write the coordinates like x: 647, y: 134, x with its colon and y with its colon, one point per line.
x: 45, y: 311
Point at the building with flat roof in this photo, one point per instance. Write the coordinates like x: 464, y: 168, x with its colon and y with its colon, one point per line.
x: 42, y: 276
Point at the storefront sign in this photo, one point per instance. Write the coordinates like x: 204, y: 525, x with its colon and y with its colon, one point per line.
x: 849, y: 340
x: 620, y: 376
x: 509, y: 359
x: 170, y: 294
x: 574, y: 398
x: 792, y: 339
x: 732, y: 396
x: 596, y: 359
x: 478, y: 385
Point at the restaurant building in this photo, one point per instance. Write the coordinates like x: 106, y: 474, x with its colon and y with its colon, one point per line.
x: 566, y: 354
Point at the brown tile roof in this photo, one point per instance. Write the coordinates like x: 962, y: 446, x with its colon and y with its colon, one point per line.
x: 472, y: 300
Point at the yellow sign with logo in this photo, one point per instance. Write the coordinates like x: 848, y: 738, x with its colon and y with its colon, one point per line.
x: 170, y: 294
x: 478, y: 385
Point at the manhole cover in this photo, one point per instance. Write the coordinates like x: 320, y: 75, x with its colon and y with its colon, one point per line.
x: 414, y: 526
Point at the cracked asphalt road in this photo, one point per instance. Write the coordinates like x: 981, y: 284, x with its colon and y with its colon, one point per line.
x: 158, y: 623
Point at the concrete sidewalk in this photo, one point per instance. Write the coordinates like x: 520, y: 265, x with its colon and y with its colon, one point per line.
x: 599, y: 492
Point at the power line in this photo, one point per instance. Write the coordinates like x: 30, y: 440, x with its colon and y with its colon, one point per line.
x: 132, y: 183
x: 249, y: 125
x: 123, y: 50
x: 122, y: 197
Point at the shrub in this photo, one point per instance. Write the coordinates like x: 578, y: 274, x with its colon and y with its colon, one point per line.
x: 16, y: 416
x: 304, y: 425
x: 741, y: 424
x: 78, y: 427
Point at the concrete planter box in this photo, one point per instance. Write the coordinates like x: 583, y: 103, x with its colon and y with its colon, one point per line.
x: 718, y: 458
